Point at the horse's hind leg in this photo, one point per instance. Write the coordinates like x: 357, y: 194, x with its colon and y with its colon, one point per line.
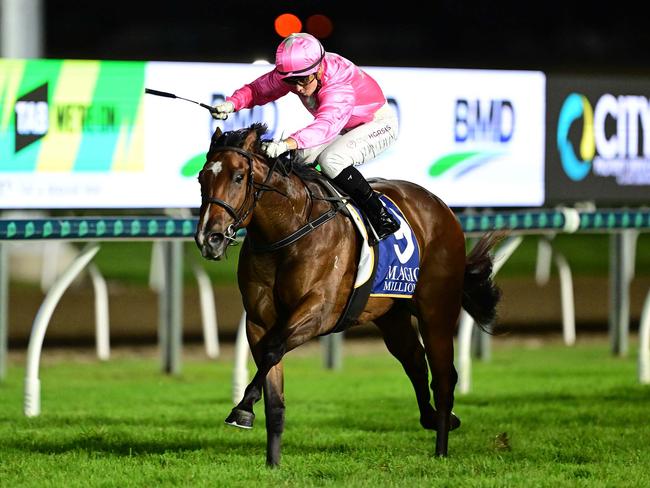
x: 402, y: 341
x: 438, y: 315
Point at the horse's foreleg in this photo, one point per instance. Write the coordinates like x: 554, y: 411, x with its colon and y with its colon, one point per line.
x: 242, y: 415
x: 267, y: 352
x: 274, y: 410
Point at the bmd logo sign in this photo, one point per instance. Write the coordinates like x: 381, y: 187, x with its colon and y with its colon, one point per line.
x: 482, y: 131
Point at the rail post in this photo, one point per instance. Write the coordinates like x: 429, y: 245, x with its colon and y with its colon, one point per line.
x: 170, y: 322
x: 32, y: 399
x: 619, y: 293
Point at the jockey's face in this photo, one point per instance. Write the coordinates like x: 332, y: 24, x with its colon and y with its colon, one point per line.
x: 304, y: 85
x: 307, y: 89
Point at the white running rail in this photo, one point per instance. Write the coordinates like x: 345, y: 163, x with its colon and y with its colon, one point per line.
x: 32, y: 399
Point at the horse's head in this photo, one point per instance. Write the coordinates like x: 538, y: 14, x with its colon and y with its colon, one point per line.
x: 228, y: 194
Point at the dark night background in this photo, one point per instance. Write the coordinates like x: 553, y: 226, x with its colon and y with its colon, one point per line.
x: 554, y: 36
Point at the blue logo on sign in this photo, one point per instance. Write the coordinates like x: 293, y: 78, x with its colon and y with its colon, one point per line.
x: 576, y: 106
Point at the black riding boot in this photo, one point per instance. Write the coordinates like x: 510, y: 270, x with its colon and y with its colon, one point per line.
x: 352, y: 182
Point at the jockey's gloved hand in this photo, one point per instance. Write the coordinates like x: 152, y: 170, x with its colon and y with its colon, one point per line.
x: 221, y: 111
x: 274, y: 148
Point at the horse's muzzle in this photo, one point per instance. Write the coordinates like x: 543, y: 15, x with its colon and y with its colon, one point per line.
x: 212, y: 245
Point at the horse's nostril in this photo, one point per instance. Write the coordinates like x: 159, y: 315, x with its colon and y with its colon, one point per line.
x: 215, y: 238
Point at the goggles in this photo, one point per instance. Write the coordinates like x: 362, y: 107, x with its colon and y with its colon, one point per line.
x: 299, y: 80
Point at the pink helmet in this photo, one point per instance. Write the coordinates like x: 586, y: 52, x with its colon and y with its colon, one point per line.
x: 298, y: 55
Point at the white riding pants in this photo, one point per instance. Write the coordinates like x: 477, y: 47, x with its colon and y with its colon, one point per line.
x: 355, y: 146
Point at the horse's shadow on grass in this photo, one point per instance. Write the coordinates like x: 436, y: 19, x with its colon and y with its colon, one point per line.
x: 117, y: 445
x: 227, y: 442
x: 628, y: 395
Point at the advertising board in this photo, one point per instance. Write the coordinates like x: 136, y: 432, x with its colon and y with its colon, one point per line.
x: 71, y: 133
x: 598, y: 142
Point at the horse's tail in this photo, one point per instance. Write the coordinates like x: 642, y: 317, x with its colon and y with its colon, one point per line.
x: 480, y: 293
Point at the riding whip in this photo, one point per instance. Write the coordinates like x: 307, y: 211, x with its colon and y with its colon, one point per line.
x: 171, y: 95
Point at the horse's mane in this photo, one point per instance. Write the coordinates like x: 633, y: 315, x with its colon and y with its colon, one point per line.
x: 236, y: 138
x: 304, y: 172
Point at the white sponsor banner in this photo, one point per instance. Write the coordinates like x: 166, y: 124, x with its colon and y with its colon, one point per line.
x: 472, y: 137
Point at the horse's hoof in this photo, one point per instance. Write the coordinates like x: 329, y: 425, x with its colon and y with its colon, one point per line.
x: 272, y: 463
x: 429, y: 422
x: 240, y: 418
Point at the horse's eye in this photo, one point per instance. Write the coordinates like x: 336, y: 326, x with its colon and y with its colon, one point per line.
x: 239, y: 177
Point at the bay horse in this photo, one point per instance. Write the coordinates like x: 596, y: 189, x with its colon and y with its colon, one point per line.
x: 295, y: 290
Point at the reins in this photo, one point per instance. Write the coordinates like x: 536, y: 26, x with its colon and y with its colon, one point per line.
x: 256, y: 190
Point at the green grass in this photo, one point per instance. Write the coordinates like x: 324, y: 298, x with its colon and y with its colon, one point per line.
x: 537, y: 416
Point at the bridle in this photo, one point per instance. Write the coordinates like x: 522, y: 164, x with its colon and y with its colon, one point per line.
x: 252, y: 188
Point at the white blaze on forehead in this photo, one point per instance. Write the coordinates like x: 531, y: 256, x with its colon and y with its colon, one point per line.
x: 216, y: 167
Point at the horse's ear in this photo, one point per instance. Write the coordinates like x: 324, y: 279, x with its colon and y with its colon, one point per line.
x: 217, y: 134
x: 250, y: 141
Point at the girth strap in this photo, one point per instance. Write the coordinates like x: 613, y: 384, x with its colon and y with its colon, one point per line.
x: 357, y: 300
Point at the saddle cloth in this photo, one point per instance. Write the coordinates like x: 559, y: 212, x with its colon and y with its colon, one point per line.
x: 398, y: 257
x: 390, y: 269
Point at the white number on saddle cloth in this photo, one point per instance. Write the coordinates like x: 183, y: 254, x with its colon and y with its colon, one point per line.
x: 404, y: 232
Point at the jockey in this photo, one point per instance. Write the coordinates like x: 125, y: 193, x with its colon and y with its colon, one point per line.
x: 352, y: 121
